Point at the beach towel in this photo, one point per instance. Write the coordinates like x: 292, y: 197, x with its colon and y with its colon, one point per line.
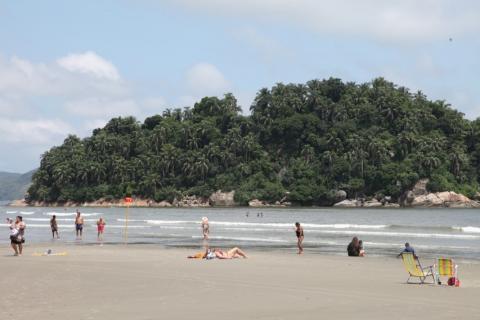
x: 46, y: 254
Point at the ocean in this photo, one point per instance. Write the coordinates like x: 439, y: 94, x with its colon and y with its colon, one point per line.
x: 432, y: 232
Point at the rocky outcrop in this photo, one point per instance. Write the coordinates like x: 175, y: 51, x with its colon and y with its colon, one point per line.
x: 191, y: 202
x: 347, y: 204
x: 360, y: 203
x: 420, y: 188
x: 222, y: 199
x: 448, y: 199
x: 340, y: 195
x: 18, y: 203
x: 255, y: 203
x: 374, y: 203
x: 420, y: 197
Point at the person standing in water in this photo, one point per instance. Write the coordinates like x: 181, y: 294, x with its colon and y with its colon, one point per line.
x: 300, y: 236
x: 79, y: 225
x: 205, y: 228
x: 100, y: 229
x: 54, y: 226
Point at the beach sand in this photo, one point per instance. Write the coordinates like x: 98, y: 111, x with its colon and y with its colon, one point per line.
x: 151, y: 282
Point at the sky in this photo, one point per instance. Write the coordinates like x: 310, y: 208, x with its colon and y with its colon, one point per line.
x: 67, y: 67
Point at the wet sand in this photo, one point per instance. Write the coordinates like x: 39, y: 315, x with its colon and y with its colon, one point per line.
x: 151, y: 282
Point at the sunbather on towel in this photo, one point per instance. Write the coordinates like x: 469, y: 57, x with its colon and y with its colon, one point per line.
x: 230, y: 254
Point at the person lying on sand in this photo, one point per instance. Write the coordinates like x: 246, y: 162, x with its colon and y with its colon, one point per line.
x: 230, y: 254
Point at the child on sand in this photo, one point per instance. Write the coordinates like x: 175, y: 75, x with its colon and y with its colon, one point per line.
x: 361, y: 252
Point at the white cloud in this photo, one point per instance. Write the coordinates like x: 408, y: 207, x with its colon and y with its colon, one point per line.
x: 397, y: 20
x: 204, y: 79
x: 20, y: 78
x: 39, y: 131
x: 90, y: 63
x: 102, y: 107
x: 41, y: 103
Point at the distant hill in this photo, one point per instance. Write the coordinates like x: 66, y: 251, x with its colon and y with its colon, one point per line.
x: 14, y: 185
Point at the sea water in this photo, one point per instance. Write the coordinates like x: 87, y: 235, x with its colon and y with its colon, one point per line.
x: 432, y: 232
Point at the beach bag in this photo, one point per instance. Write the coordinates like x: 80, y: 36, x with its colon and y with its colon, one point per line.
x: 210, y: 255
x: 453, y: 281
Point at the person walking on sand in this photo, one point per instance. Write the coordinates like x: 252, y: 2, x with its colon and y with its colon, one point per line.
x: 54, y: 226
x: 205, y: 228
x: 79, y: 225
x: 17, y: 235
x: 100, y: 229
x: 300, y: 236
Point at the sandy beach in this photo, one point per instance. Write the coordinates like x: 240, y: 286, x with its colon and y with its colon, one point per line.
x: 150, y: 282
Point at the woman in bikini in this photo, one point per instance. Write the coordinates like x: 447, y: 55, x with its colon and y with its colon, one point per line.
x: 230, y: 254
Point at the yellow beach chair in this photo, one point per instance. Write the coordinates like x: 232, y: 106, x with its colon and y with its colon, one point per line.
x: 415, y: 269
x: 445, y: 267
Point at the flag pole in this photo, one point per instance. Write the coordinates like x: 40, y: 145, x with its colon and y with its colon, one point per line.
x: 128, y: 201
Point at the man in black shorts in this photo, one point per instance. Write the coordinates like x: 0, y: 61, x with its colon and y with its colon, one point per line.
x: 79, y: 225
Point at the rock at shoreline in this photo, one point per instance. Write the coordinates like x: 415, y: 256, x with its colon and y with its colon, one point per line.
x: 191, y: 202
x: 374, y: 203
x: 18, y: 203
x: 255, y: 203
x: 420, y: 188
x: 222, y: 199
x: 347, y: 204
x: 340, y: 195
x: 444, y: 199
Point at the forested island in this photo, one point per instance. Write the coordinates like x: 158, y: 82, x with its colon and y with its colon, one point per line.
x: 301, y: 144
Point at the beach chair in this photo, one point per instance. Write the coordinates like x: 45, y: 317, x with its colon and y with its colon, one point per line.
x: 445, y: 267
x: 415, y: 269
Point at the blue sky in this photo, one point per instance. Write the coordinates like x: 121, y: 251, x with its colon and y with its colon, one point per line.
x: 69, y: 66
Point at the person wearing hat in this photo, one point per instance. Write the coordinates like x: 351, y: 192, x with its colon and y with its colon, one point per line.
x: 205, y: 228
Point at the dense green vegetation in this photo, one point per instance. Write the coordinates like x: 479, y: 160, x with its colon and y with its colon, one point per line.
x: 308, y: 139
x: 14, y: 185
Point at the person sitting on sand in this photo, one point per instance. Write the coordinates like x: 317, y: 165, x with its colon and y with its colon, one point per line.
x: 408, y: 248
x: 230, y: 254
x: 54, y: 226
x: 361, y: 250
x: 300, y: 236
x: 353, y: 248
x: 100, y: 228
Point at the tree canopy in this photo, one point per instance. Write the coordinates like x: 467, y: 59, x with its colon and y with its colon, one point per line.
x: 302, y: 141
